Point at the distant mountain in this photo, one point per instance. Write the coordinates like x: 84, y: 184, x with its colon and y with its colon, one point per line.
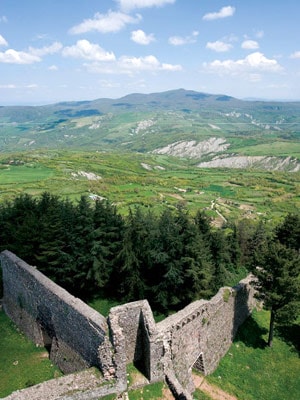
x: 170, y: 100
x: 176, y: 100
x: 150, y: 122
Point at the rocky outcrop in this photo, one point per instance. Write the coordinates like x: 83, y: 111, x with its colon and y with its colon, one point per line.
x: 193, y: 149
x: 288, y: 164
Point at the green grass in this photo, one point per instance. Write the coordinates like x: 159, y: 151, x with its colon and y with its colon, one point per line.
x: 103, y: 306
x: 251, y: 370
x: 109, y: 397
x: 276, y: 148
x: 12, y: 174
x: 149, y: 392
x: 126, y: 183
x: 22, y: 363
x: 198, y: 395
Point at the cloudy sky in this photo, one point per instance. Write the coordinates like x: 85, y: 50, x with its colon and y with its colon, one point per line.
x: 55, y: 50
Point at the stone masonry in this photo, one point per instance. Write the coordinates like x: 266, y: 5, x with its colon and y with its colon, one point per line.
x: 78, y: 337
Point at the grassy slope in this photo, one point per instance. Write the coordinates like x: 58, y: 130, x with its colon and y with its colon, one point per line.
x: 252, y: 371
x: 22, y: 364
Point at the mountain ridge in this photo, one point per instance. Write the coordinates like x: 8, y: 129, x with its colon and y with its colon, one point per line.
x: 145, y: 123
x: 149, y: 98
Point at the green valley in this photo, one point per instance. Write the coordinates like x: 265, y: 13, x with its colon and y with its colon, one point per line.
x: 181, y: 146
x: 154, y: 181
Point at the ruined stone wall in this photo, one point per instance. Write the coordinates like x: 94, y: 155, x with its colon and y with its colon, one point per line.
x: 201, y: 333
x: 79, y: 337
x: 136, y: 325
x: 74, y: 333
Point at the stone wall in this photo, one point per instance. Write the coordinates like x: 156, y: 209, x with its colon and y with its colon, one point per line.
x: 135, y: 321
x: 201, y: 333
x: 74, y: 333
x: 78, y: 337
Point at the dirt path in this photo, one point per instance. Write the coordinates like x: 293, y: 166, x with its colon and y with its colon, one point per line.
x: 213, y: 391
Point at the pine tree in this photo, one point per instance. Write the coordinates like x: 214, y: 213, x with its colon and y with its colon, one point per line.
x: 288, y: 233
x: 195, y: 259
x: 53, y: 255
x: 82, y: 248
x: 167, y: 271
x: 278, y: 283
x: 107, y: 241
x: 131, y: 258
x: 24, y: 227
x: 202, y: 222
x: 220, y: 257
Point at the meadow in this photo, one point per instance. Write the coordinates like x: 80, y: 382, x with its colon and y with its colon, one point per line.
x: 251, y: 370
x: 22, y: 364
x: 152, y: 181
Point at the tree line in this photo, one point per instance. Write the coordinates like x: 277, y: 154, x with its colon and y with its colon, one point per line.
x: 171, y: 259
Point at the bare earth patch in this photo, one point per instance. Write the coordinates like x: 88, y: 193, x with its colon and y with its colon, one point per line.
x: 176, y: 196
x: 213, y: 391
x: 167, y: 395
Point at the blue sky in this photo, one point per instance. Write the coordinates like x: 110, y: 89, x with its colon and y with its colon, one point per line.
x: 57, y: 50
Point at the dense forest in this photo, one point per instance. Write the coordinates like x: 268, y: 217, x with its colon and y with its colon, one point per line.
x: 171, y: 259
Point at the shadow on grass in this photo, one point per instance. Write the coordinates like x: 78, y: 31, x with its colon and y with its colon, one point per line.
x: 251, y: 334
x: 291, y: 335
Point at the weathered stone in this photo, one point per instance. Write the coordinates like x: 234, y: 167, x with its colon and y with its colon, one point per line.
x: 78, y: 337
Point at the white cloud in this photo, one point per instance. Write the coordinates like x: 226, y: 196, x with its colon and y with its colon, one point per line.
x: 133, y: 4
x: 3, y: 42
x: 179, y: 40
x: 130, y: 65
x: 250, y: 45
x: 104, y: 23
x: 148, y: 63
x: 53, y: 48
x: 219, y: 46
x: 254, y: 77
x: 224, y: 12
x: 18, y: 57
x: 296, y: 54
x: 253, y: 63
x: 33, y: 55
x: 101, y: 68
x: 140, y: 37
x: 53, y: 68
x: 8, y: 86
x: 259, y: 34
x: 13, y: 86
x: 171, y: 67
x: 88, y: 51
x: 109, y: 84
x: 139, y: 63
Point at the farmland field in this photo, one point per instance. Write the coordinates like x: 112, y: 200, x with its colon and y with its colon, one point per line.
x: 155, y: 181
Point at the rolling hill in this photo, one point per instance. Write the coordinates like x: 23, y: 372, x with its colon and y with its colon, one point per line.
x: 180, y: 123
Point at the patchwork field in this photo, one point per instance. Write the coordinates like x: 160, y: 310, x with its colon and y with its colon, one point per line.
x: 154, y: 181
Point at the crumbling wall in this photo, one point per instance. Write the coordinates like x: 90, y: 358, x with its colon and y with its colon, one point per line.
x: 135, y: 323
x: 201, y: 333
x: 78, y: 337
x: 74, y: 333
